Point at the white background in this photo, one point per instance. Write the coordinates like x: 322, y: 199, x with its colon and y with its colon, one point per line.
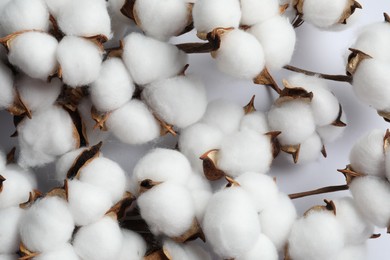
x: 315, y: 50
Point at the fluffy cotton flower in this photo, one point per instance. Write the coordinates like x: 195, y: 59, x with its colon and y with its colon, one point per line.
x: 310, y: 149
x: 256, y: 121
x: 65, y: 252
x: 9, y: 226
x: 6, y: 87
x: 258, y: 11
x: 324, y: 14
x: 133, y: 246
x: 263, y: 249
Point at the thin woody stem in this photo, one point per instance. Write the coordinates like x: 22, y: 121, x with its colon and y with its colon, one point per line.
x: 318, y: 191
x: 341, y: 78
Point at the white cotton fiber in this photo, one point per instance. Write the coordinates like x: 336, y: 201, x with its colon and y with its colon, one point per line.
x: 9, y: 226
x: 9, y: 257
x: 208, y: 15
x: 174, y: 250
x: 263, y: 249
x: 46, y: 224
x: 196, y: 252
x: 256, y: 121
x: 87, y: 203
x: 17, y: 186
x: 133, y: 123
x: 372, y: 197
x: 162, y: 20
x: 167, y: 208
x: 258, y: 11
x: 262, y: 189
x: 65, y: 162
x: 114, y: 86
x: 294, y: 119
x: 65, y: 252
x: 240, y: 55
x: 80, y: 61
x: 201, y: 193
x: 310, y: 149
x: 277, y: 219
x: 101, y: 240
x: 107, y: 175
x: 180, y: 101
x: 133, y: 246
x: 6, y: 87
x: 20, y: 15
x: 370, y: 82
x: 324, y: 14
x: 160, y: 165
x: 223, y: 114
x: 48, y: 134
x: 316, y: 236
x: 34, y: 53
x: 55, y: 6
x: 230, y: 223
x: 38, y: 94
x: 84, y: 18
x: 196, y: 140
x: 367, y: 155
x: 330, y: 133
x: 149, y: 60
x: 355, y: 252
x: 277, y: 37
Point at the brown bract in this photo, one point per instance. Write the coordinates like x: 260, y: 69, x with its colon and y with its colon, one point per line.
x: 291, y: 93
x: 147, y: 184
x: 338, y: 122
x: 213, y: 42
x: 19, y: 108
x: 354, y: 59
x: 194, y: 232
x: 33, y: 196
x: 275, y: 142
x: 350, y: 174
x: 265, y: 78
x: 83, y: 159
x: 349, y: 10
x: 2, y: 180
x: 158, y: 255
x: 210, y: 170
x: 25, y: 253
x: 293, y: 150
x: 329, y: 206
x: 7, y: 40
x: 250, y: 107
x: 165, y: 128
x: 120, y: 208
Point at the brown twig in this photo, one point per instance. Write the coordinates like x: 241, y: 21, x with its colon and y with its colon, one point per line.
x: 318, y: 191
x: 341, y: 78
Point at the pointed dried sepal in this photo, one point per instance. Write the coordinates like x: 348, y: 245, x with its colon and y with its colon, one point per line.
x: 386, y: 141
x: 7, y: 40
x: 79, y: 130
x: 265, y: 78
x: 25, y: 253
x: 19, y: 108
x: 330, y: 206
x: 231, y: 182
x: 190, y: 22
x: 250, y: 107
x: 293, y: 150
x: 115, y: 52
x: 100, y: 118
x: 298, y: 6
x: 2, y: 180
x: 83, y: 159
x: 128, y: 8
x: 58, y: 192
x: 286, y: 253
x: 385, y: 115
x: 194, y: 232
x: 11, y: 156
x: 323, y: 151
x: 210, y: 170
x: 387, y: 17
x: 349, y: 10
x: 375, y: 236
x: 56, y: 74
x: 213, y: 44
x: 275, y: 142
x: 319, y: 208
x: 98, y: 40
x: 157, y: 255
x: 338, y: 122
x: 354, y: 59
x: 33, y: 196
x: 121, y: 206
x: 290, y: 93
x: 71, y: 97
x: 283, y: 8
x: 183, y: 71
x: 55, y: 31
x: 165, y: 127
x: 147, y: 184
x: 350, y: 174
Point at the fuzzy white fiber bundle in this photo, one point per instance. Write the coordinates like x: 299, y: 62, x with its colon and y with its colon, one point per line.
x: 55, y: 6
x: 370, y: 83
x: 256, y: 121
x: 201, y: 192
x: 133, y: 123
x: 230, y: 223
x: 180, y: 101
x: 149, y: 60
x: 245, y: 151
x: 48, y: 134
x: 65, y: 252
x: 101, y: 240
x: 330, y: 133
x: 258, y: 11
x: 324, y: 14
x: 310, y: 149
x: 34, y: 53
x: 294, y: 119
x: 107, y: 175
x: 133, y: 246
x: 240, y: 55
x: 225, y: 115
x: 162, y: 19
x: 6, y: 86
x: 354, y: 252
x: 197, y: 139
x: 367, y: 155
x: 208, y: 15
x: 9, y: 226
x: 84, y: 18
x: 65, y: 162
x: 47, y: 224
x: 18, y: 15
x: 372, y: 197
x: 188, y: 251
x: 263, y: 249
x: 80, y: 61
x: 167, y: 208
x: 114, y: 86
x: 277, y: 37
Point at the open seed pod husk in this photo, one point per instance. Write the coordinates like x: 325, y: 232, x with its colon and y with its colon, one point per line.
x: 293, y: 150
x: 265, y: 78
x: 290, y: 93
x: 25, y: 253
x: 19, y: 108
x: 79, y: 128
x: 55, y: 29
x: 210, y: 170
x: 231, y: 182
x: 338, y: 122
x: 7, y: 40
x: 99, y: 40
x: 33, y: 196
x: 385, y: 115
x: 100, y: 119
x: 70, y: 98
x: 2, y: 180
x: 115, y: 52
x: 194, y: 232
x: 121, y: 206
x: 350, y: 174
x: 250, y: 107
x: 386, y: 141
x: 147, y: 184
x: 329, y: 205
x: 213, y: 42
x: 160, y: 254
x: 11, y: 157
x: 61, y: 192
x: 349, y: 10
x: 165, y: 128
x: 276, y: 147
x: 354, y: 59
x: 215, y: 37
x: 387, y: 17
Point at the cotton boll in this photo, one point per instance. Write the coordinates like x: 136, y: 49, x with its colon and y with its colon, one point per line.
x: 372, y: 197
x: 367, y: 155
x: 65, y: 252
x: 101, y: 240
x: 277, y: 37
x: 355, y: 252
x: 180, y: 101
x: 357, y: 228
x: 240, y: 55
x: 107, y: 175
x: 316, y: 236
x: 257, y: 11
x: 262, y: 189
x: 9, y: 226
x: 6, y: 87
x: 65, y: 162
x: 277, y: 219
x: 46, y: 224
x: 37, y: 94
x: 87, y: 203
x: 245, y: 151
x: 208, y: 15
x: 17, y: 186
x: 19, y: 15
x: 149, y: 60
x: 114, y: 86
x: 85, y: 18
x: 310, y: 149
x: 133, y: 246
x: 80, y: 61
x: 167, y: 208
x: 263, y: 249
x: 48, y: 134
x: 223, y: 114
x: 294, y: 119
x: 324, y: 14
x: 230, y: 223
x: 330, y: 133
x: 256, y: 121
x: 133, y: 123
x: 370, y: 83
